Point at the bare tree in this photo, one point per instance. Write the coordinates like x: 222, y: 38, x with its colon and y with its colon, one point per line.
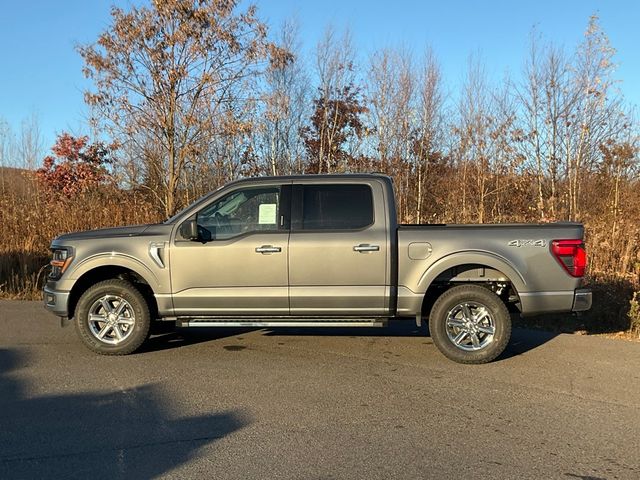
x: 31, y: 146
x: 545, y: 98
x: 392, y: 90
x: 164, y: 73
x: 286, y: 98
x: 7, y: 145
x: 337, y: 95
x: 471, y: 155
x: 380, y: 95
x: 429, y: 139
x: 596, y: 115
x: 6, y: 152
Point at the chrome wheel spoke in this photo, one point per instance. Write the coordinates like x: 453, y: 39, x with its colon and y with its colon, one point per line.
x: 466, y: 312
x: 116, y: 329
x: 455, y: 322
x: 111, y: 319
x: 458, y: 339
x: 120, y: 308
x: 487, y: 330
x: 104, y: 331
x: 481, y: 315
x: 94, y: 317
x: 105, y: 304
x: 470, y: 326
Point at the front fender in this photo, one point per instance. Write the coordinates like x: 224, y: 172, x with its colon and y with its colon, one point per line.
x: 117, y: 260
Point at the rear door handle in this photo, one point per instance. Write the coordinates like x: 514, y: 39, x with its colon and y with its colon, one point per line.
x: 365, y: 247
x: 268, y: 249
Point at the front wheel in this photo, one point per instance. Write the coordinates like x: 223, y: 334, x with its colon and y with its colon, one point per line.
x: 112, y: 318
x: 470, y: 324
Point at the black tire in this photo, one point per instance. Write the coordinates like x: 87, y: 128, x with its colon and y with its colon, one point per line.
x: 131, y: 335
x: 448, y: 319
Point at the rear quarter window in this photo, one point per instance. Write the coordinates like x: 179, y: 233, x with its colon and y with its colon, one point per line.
x: 337, y: 207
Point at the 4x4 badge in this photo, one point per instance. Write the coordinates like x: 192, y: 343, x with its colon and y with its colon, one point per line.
x: 527, y: 243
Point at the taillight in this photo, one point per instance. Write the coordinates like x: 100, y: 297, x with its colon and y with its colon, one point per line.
x: 572, y: 255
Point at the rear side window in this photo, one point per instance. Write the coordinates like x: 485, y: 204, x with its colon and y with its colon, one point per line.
x: 336, y: 207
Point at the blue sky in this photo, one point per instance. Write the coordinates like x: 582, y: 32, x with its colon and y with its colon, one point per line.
x: 40, y: 72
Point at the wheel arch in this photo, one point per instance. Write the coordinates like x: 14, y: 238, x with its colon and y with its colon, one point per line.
x: 484, y: 259
x: 482, y: 268
x: 105, y: 272
x: 115, y: 260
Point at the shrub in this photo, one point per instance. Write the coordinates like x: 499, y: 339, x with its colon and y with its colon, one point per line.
x: 634, y: 313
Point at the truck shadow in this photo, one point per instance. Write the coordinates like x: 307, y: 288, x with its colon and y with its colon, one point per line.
x: 183, y: 337
x: 131, y: 433
x: 522, y: 340
x: 395, y: 328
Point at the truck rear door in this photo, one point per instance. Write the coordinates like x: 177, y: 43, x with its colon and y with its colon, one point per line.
x: 338, y: 249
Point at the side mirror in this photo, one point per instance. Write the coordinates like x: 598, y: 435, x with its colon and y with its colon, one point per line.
x: 189, y: 229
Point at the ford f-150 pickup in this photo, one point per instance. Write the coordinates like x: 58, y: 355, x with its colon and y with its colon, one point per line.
x: 314, y: 250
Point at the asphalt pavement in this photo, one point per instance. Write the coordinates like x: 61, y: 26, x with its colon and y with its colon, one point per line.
x: 313, y: 404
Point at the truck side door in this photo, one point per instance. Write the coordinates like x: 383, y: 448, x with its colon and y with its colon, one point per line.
x: 239, y: 264
x: 338, y: 249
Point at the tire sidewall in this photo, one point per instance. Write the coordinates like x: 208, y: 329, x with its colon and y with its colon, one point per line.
x: 471, y: 293
x: 122, y: 289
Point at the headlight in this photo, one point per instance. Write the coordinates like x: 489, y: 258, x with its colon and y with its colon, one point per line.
x: 62, y: 257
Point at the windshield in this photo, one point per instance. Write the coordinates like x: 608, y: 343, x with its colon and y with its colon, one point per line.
x: 174, y: 217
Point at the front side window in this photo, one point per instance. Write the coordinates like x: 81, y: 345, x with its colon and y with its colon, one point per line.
x: 337, y: 207
x: 239, y: 212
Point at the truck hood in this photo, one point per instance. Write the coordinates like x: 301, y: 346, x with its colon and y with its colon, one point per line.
x: 130, y: 231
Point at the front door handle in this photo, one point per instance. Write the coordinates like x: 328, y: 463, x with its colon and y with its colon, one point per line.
x: 268, y: 249
x: 365, y: 247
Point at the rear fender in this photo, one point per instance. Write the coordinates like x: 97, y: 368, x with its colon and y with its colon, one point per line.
x: 475, y: 257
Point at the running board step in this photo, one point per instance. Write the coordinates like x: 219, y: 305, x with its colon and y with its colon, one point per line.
x: 294, y: 322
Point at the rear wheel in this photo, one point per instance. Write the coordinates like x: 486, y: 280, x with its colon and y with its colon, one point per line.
x: 112, y: 318
x: 470, y: 324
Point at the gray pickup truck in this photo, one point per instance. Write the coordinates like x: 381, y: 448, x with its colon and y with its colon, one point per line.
x: 314, y: 251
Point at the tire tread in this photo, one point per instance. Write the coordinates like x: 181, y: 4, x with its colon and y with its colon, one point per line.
x: 142, y: 324
x: 470, y: 292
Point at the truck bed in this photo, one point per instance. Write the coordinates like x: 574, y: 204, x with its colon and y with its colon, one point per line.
x: 520, y: 253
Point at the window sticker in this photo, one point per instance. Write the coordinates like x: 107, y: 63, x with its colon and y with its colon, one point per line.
x: 267, y: 214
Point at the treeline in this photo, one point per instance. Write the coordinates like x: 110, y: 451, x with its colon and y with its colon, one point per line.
x: 190, y: 94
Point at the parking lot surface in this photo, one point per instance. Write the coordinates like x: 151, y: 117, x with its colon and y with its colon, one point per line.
x: 313, y: 404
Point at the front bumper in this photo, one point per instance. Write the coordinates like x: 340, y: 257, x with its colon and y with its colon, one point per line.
x: 56, y: 302
x: 582, y: 300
